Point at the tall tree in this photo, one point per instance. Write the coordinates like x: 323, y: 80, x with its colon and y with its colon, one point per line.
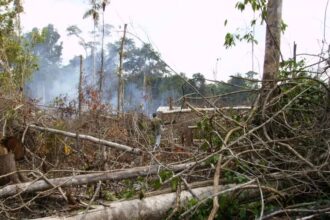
x: 101, y: 80
x: 120, y: 101
x: 272, y: 47
x: 16, y: 62
x: 94, y: 13
x: 48, y: 51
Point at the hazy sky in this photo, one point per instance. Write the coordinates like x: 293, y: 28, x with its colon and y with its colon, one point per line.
x: 189, y: 34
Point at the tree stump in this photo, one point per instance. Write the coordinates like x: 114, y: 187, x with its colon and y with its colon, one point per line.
x: 14, y: 145
x: 8, y: 165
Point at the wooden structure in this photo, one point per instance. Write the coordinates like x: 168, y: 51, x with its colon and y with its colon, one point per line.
x: 181, y: 123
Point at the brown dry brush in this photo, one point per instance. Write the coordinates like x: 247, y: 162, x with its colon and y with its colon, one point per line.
x: 278, y: 154
x: 49, y: 155
x: 282, y: 146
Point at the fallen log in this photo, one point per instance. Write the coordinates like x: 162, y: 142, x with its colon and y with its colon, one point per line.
x: 41, y: 185
x: 89, y: 138
x: 155, y: 207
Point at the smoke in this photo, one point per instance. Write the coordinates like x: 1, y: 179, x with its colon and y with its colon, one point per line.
x: 46, y: 85
x: 54, y: 80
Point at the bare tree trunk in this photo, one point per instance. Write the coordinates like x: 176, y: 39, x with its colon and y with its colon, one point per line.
x: 120, y: 105
x: 101, y: 80
x: 155, y: 207
x: 89, y: 138
x: 272, y: 47
x: 80, y: 92
x: 145, y: 91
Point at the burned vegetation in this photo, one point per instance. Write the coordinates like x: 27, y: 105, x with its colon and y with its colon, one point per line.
x: 241, y: 149
x: 271, y: 158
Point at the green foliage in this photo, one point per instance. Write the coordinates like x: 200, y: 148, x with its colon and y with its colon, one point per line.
x: 128, y: 191
x: 291, y: 68
x: 90, y: 190
x: 46, y: 45
x: 229, y: 40
x: 196, y: 86
x: 109, y: 196
x: 165, y: 175
x: 96, y: 6
x: 234, y: 85
x: 174, y: 183
x: 256, y: 6
x: 233, y: 177
x: 283, y: 26
x: 204, y: 125
x: 156, y: 184
x: 229, y: 208
x: 212, y: 160
x: 17, y: 62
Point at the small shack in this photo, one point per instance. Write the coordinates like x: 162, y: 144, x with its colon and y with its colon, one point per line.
x: 181, y: 123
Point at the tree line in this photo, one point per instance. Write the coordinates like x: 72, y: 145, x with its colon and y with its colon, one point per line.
x: 148, y: 80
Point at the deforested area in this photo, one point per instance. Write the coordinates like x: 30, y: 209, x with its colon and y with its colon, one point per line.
x: 122, y: 129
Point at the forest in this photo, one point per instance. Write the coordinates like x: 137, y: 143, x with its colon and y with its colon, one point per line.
x: 117, y: 133
x: 148, y: 79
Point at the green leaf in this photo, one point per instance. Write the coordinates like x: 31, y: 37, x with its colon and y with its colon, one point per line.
x: 240, y: 6
x: 283, y: 26
x: 174, y: 183
x: 253, y: 22
x: 229, y: 40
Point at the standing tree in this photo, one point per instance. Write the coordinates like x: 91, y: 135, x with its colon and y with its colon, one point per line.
x: 120, y: 100
x: 101, y: 80
x: 16, y: 62
x: 271, y: 13
x: 94, y: 13
x: 48, y: 51
x: 272, y: 47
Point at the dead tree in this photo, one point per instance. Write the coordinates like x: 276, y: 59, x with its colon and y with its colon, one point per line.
x: 120, y: 105
x: 80, y: 92
x: 154, y: 207
x: 42, y: 184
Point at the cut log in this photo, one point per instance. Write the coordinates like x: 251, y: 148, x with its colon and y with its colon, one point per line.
x: 8, y: 165
x: 89, y: 138
x: 86, y: 179
x: 155, y: 207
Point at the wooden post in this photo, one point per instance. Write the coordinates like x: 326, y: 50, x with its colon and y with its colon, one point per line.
x: 294, y: 73
x: 170, y: 103
x: 120, y: 101
x: 294, y: 52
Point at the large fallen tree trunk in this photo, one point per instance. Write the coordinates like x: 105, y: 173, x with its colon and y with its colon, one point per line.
x: 89, y: 138
x: 155, y: 207
x: 41, y: 185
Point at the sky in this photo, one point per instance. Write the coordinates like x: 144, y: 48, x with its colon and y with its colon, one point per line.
x: 189, y: 34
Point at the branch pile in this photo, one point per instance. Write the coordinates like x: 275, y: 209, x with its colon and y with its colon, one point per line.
x: 271, y: 161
